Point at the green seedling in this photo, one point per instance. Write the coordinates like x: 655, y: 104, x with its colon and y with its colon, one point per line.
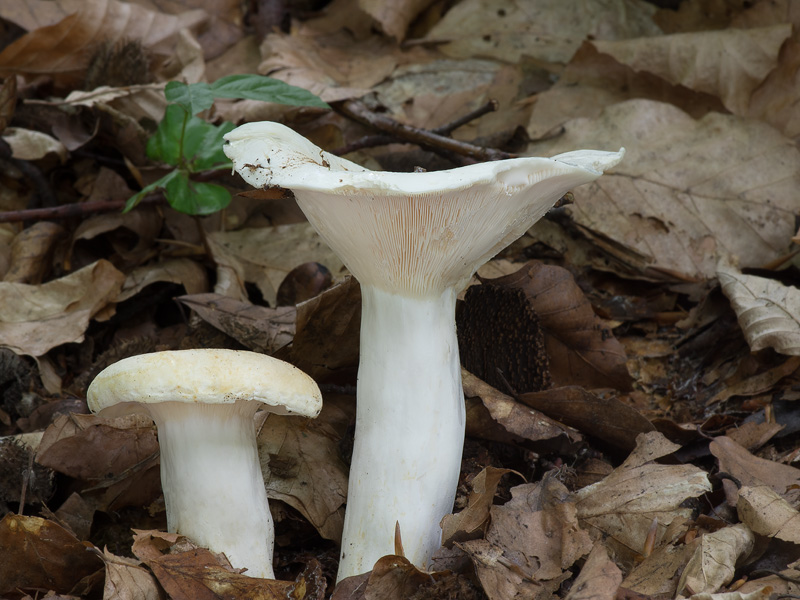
x: 191, y: 144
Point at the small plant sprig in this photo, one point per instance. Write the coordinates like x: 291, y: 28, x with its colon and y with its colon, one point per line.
x: 191, y: 144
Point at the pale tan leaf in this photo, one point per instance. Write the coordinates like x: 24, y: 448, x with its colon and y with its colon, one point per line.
x: 658, y: 573
x: 687, y: 191
x: 36, y: 318
x: 33, y: 14
x: 599, y: 578
x: 546, y: 30
x: 714, y: 560
x: 729, y: 64
x: 624, y: 505
x: 27, y: 144
x: 394, y: 16
x: 183, y: 271
x: 768, y: 310
x: 126, y: 580
x: 767, y: 513
x: 65, y: 46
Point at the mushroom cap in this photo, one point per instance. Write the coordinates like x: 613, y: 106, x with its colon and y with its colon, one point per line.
x: 205, y: 376
x: 410, y: 233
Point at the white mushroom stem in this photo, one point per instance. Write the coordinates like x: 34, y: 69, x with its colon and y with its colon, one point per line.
x: 211, y: 477
x: 410, y: 422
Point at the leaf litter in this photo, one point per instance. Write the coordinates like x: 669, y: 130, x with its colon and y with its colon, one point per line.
x: 630, y: 377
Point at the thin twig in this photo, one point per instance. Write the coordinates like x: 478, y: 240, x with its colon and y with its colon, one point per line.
x: 490, y: 106
x: 359, y: 112
x: 65, y: 211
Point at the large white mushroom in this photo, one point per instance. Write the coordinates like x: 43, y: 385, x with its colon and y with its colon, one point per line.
x: 203, y: 403
x: 413, y: 240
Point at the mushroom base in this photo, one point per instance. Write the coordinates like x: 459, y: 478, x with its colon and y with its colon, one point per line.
x: 409, y: 429
x: 211, y: 476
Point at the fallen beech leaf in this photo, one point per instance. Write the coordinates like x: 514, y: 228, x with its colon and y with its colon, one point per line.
x: 714, y: 560
x: 599, y: 578
x: 394, y: 577
x: 262, y: 329
x: 470, y: 522
x: 35, y: 319
x: 516, y: 418
x: 753, y: 471
x: 183, y: 271
x: 729, y: 63
x: 32, y: 251
x: 126, y: 580
x: 394, y: 17
x: 606, y: 418
x: 145, y: 223
x: 658, y: 574
x: 302, y: 467
x: 40, y: 554
x: 265, y: 256
x: 768, y: 311
x: 761, y: 383
x: 548, y: 31
x: 33, y: 145
x: 538, y: 529
x: 624, y: 504
x: 62, y: 47
x: 767, y: 513
x: 151, y: 544
x: 198, y: 575
x: 687, y: 191
x: 580, y: 350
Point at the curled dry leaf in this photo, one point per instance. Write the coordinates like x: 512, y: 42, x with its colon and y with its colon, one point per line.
x: 762, y: 383
x: 127, y: 580
x: 34, y: 319
x: 754, y: 471
x: 302, y: 466
x: 394, y: 17
x: 32, y: 251
x: 39, y: 553
x: 470, y: 522
x: 687, y: 191
x: 767, y: 513
x: 729, y: 63
x: 258, y: 328
x: 624, y: 505
x: 27, y: 144
x: 658, y: 574
x: 713, y: 563
x: 768, y: 311
x: 183, y: 271
x: 599, y: 578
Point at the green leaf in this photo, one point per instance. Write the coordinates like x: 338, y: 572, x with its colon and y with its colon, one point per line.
x: 159, y: 183
x: 195, y: 198
x: 266, y: 89
x: 195, y: 97
x: 165, y: 145
x: 210, y: 155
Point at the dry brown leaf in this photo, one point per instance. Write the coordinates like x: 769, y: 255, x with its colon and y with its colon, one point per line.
x: 302, y: 466
x: 538, y: 529
x: 713, y: 563
x: 470, y: 522
x: 658, y: 573
x: 754, y: 471
x: 767, y: 513
x: 32, y: 251
x: 549, y: 30
x: 27, y: 144
x: 126, y: 580
x: 500, y: 578
x: 38, y: 553
x: 606, y: 418
x: 394, y: 577
x: 768, y: 310
x: 34, y: 319
x: 599, y: 578
x: 624, y: 505
x: 64, y: 47
x: 687, y: 191
x: 516, y: 418
x: 265, y: 255
x: 198, y: 575
x: 759, y: 384
x: 183, y: 271
x: 394, y: 16
x: 262, y: 329
x: 145, y: 223
x: 730, y: 63
x: 33, y: 14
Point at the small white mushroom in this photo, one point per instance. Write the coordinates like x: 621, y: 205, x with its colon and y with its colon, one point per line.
x: 413, y: 240
x: 203, y: 403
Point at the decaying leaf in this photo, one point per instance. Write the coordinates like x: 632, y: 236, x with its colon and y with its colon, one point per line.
x: 27, y: 144
x: 127, y: 580
x: 686, y: 191
x: 658, y: 574
x: 38, y: 553
x: 470, y: 522
x: 182, y: 271
x: 715, y: 559
x: 34, y: 319
x: 768, y: 311
x: 302, y: 467
x: 258, y: 328
x: 624, y: 505
x: 599, y: 578
x: 31, y: 252
x: 767, y: 513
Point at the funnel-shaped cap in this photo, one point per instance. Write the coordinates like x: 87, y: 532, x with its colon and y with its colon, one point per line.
x: 410, y: 233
